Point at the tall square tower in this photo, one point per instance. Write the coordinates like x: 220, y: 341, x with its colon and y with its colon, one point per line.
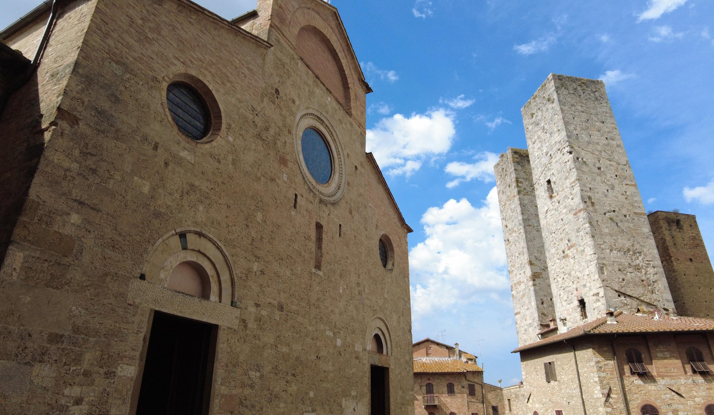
x: 598, y: 243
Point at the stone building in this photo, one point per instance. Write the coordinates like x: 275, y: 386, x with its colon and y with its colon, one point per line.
x: 448, y: 381
x: 177, y: 187
x: 610, y: 306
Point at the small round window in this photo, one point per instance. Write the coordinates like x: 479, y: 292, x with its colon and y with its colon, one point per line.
x: 386, y: 252
x: 316, y: 154
x: 188, y: 110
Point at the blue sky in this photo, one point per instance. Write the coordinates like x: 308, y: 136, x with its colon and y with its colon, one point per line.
x: 450, y: 78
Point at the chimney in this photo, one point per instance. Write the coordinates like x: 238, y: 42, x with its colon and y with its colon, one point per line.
x: 611, y: 316
x: 552, y: 322
x: 457, y: 353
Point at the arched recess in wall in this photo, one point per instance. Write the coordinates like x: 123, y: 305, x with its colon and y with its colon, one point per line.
x: 377, y: 332
x: 304, y: 17
x: 194, y: 263
x: 316, y: 50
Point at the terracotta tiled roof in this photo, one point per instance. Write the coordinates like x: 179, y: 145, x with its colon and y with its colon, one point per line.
x: 627, y: 323
x: 443, y: 365
x: 463, y: 352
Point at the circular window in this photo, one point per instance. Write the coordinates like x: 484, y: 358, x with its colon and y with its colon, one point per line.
x: 320, y: 156
x: 188, y: 110
x: 386, y: 252
x: 316, y: 155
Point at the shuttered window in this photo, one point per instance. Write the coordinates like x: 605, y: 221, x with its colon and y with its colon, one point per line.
x: 188, y: 110
x: 696, y: 360
x: 550, y: 375
x: 472, y: 389
x: 429, y: 388
x: 450, y: 389
x: 636, y: 362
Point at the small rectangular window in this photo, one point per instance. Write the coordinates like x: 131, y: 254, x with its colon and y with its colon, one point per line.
x: 550, y: 375
x: 318, y: 246
x: 549, y: 185
x: 509, y: 406
x: 583, y: 309
x: 472, y: 389
x: 494, y: 409
x: 558, y: 412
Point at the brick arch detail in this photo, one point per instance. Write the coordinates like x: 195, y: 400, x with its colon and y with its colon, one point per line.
x: 203, y: 249
x: 306, y: 17
x: 379, y: 326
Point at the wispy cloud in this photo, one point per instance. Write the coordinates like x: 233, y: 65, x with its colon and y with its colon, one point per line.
x: 397, y: 140
x: 370, y: 68
x: 651, y: 200
x: 605, y: 38
x: 656, y: 8
x: 482, y: 169
x: 458, y: 103
x: 664, y: 34
x: 613, y: 77
x: 462, y: 257
x: 423, y: 9
x: 379, y: 108
x: 492, y: 125
x: 536, y: 46
x: 701, y: 194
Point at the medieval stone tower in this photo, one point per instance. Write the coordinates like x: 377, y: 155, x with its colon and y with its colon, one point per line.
x: 590, y: 235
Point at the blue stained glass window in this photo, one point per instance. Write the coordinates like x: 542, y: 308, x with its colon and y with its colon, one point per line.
x: 317, y: 156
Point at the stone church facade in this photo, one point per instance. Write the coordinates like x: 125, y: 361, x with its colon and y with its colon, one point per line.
x: 613, y: 307
x: 177, y: 187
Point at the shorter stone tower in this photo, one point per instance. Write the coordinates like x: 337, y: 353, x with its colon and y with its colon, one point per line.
x: 685, y: 261
x: 527, y: 267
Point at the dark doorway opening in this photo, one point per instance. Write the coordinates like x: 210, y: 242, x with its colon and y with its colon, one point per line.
x: 179, y: 367
x: 380, y: 390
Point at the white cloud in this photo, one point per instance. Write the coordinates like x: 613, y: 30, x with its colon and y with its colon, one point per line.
x: 613, y: 77
x: 406, y: 170
x: 482, y: 169
x: 370, y: 68
x: 664, y: 34
x: 458, y: 103
x: 656, y: 8
x: 651, y: 200
x: 398, y: 139
x: 379, y: 108
x: 492, y: 125
x: 423, y: 9
x: 605, y: 38
x: 701, y: 194
x: 462, y: 258
x: 705, y: 33
x: 536, y: 46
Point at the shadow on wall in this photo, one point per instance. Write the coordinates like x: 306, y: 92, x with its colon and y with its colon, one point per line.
x: 21, y: 146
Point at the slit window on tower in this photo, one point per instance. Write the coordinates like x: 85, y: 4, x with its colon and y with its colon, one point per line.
x: 583, y: 309
x: 188, y: 110
x: 549, y: 185
x: 318, y: 246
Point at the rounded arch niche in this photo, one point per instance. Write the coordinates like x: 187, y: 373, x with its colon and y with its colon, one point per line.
x: 194, y: 263
x: 379, y: 339
x: 317, y: 51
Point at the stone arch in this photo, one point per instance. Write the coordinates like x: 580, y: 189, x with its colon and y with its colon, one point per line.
x: 193, y: 246
x: 321, y: 34
x: 378, y: 326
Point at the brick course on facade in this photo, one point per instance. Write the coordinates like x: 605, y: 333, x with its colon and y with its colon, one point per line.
x: 103, y: 197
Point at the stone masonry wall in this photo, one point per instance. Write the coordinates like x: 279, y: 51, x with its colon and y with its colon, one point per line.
x: 527, y: 267
x: 591, y: 213
x: 116, y: 176
x: 27, y: 120
x: 460, y: 403
x: 685, y: 261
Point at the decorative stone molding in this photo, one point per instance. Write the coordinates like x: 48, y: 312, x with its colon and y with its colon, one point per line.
x: 332, y: 191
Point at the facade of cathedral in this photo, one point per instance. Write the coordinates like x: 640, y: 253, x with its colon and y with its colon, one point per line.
x: 189, y: 222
